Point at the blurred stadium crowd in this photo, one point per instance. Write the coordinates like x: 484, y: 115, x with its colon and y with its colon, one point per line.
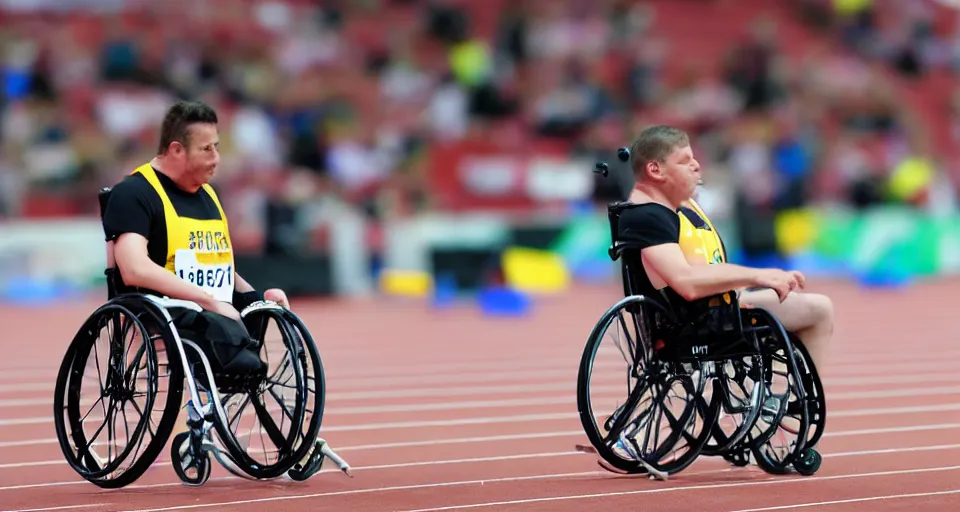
x: 332, y: 104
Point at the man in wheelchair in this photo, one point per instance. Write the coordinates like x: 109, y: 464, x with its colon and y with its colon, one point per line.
x: 682, y: 255
x: 171, y: 238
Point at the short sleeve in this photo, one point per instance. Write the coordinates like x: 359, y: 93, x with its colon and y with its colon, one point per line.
x: 649, y: 225
x: 129, y: 210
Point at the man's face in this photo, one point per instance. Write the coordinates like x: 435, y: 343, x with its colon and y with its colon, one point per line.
x: 681, y: 173
x: 203, y: 154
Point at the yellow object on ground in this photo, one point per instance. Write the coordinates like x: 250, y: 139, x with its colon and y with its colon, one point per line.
x: 405, y: 283
x: 535, y: 271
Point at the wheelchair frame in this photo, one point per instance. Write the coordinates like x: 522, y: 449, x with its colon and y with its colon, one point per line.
x: 202, y: 417
x: 738, y: 448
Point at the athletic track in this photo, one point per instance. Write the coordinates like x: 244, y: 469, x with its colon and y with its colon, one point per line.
x: 448, y: 410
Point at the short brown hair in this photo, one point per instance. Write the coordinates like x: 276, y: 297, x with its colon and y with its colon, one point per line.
x: 177, y: 121
x: 655, y: 144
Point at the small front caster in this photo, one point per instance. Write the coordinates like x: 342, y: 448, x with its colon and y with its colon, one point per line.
x: 191, y: 464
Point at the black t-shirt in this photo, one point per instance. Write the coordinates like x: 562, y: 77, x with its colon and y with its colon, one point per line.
x: 135, y: 207
x: 641, y: 226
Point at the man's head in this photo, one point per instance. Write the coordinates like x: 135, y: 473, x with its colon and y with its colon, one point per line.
x: 663, y: 160
x: 189, y: 142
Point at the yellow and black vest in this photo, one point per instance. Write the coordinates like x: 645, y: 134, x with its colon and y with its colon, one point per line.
x: 198, y: 251
x: 698, y: 238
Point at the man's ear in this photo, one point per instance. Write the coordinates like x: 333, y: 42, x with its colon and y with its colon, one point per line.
x: 653, y: 170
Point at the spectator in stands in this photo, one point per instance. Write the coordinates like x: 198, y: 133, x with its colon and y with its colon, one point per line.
x: 81, y: 93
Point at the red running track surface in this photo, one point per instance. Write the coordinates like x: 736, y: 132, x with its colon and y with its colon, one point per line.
x: 447, y: 410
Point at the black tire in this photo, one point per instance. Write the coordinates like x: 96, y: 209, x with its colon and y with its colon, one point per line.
x: 290, y: 443
x: 183, y: 457
x: 777, y: 345
x: 816, y: 397
x: 723, y: 441
x: 316, y: 378
x: 690, y: 413
x: 142, y: 317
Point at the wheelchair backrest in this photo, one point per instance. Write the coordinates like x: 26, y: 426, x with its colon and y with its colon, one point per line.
x: 613, y: 217
x: 114, y: 281
x: 104, y: 198
x: 618, y: 247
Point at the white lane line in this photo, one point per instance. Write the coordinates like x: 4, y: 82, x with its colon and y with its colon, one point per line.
x: 524, y: 402
x: 67, y: 507
x: 542, y: 417
x: 525, y: 377
x: 615, y: 392
x: 541, y: 435
x: 909, y: 428
x: 557, y: 498
x: 602, y: 392
x: 853, y: 500
x: 520, y: 360
x: 649, y: 491
x: 499, y: 458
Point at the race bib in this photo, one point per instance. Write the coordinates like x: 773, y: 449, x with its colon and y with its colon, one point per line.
x: 215, y: 278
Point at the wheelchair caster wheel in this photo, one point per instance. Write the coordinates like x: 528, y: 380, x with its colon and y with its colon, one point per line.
x: 808, y: 463
x: 300, y: 472
x: 738, y: 457
x: 185, y: 458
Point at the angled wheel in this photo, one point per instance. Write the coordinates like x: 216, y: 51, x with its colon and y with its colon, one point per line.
x: 741, y: 390
x: 652, y: 423
x: 117, y: 394
x: 816, y: 397
x: 270, y: 427
x: 780, y: 434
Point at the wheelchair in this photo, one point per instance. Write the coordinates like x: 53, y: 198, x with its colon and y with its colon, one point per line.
x: 707, y: 377
x: 141, y: 348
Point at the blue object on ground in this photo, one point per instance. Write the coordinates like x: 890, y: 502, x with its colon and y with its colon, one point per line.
x: 884, y: 278
x: 444, y: 291
x: 25, y: 291
x: 816, y: 265
x: 500, y: 301
x: 594, y: 271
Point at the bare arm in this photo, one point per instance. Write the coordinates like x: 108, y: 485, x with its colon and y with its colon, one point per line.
x: 137, y: 269
x: 242, y: 286
x: 694, y: 282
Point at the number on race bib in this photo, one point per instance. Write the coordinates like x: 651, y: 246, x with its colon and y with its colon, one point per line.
x: 210, y: 277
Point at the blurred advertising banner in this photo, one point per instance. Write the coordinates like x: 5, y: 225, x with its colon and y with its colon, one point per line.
x: 50, y: 258
x: 894, y: 240
x: 482, y: 175
x: 45, y: 260
x: 65, y: 5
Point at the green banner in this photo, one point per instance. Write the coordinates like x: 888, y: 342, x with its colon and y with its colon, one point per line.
x: 892, y: 240
x: 902, y: 240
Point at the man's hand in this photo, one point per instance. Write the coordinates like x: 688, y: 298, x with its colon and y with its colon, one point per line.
x: 781, y: 281
x: 277, y: 295
x: 223, y: 308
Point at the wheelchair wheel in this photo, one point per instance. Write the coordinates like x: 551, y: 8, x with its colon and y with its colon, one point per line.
x: 271, y: 426
x: 190, y: 461
x: 648, y: 432
x: 121, y: 359
x: 308, y: 455
x: 779, y: 438
x: 816, y: 398
x: 742, y: 388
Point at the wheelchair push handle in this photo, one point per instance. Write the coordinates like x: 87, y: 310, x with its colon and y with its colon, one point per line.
x: 603, y: 169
